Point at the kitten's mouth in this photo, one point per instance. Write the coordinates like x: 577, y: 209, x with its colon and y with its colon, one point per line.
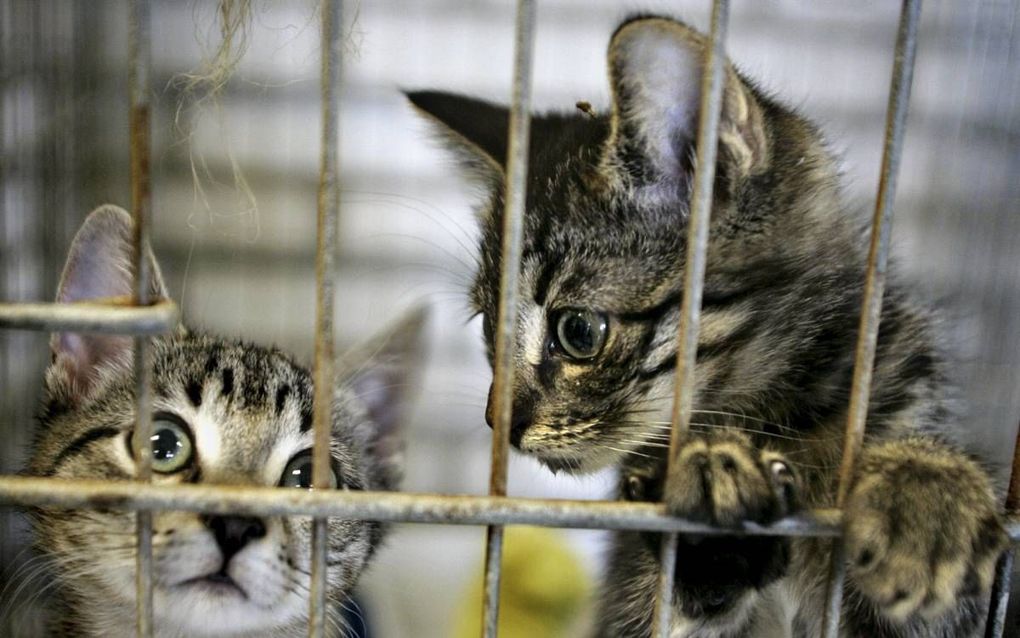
x: 216, y: 583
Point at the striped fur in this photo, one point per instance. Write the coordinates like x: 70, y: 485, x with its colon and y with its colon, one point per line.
x: 605, y: 231
x: 248, y: 411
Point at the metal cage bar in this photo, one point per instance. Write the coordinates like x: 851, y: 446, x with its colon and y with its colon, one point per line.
x: 712, y: 80
x: 115, y: 316
x: 137, y: 317
x: 996, y: 622
x: 874, y: 286
x: 513, y: 221
x: 140, y: 58
x: 325, y: 250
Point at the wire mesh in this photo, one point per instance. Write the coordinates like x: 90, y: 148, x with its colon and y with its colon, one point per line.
x: 142, y: 319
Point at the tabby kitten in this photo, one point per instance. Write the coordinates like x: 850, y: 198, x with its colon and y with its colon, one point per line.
x: 600, y: 290
x: 225, y: 412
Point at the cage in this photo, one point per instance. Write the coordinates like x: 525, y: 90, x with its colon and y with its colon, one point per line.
x: 233, y: 184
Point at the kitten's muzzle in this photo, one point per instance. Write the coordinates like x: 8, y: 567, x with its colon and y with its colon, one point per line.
x: 232, y: 533
x: 521, y: 415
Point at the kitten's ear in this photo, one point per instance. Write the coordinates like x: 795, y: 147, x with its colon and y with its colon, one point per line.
x: 383, y: 374
x: 99, y: 266
x: 474, y: 129
x: 655, y: 68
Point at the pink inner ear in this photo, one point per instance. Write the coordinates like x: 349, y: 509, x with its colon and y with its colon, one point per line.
x: 95, y: 271
x: 98, y: 266
x: 80, y: 357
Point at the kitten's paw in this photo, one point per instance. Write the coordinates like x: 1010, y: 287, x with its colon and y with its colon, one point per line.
x: 724, y: 480
x: 922, y: 529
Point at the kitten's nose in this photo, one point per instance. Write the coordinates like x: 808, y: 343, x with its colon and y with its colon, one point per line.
x: 232, y: 533
x: 520, y: 417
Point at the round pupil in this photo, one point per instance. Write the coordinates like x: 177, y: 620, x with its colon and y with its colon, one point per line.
x: 579, y: 332
x: 302, y: 474
x: 165, y: 445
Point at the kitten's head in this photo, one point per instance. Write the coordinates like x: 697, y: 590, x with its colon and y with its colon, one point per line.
x: 605, y: 236
x: 224, y: 412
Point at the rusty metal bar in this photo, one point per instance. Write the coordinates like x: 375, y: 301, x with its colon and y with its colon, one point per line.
x: 878, y: 256
x: 140, y: 58
x: 391, y: 506
x: 325, y: 250
x: 92, y: 316
x: 712, y: 81
x: 995, y: 625
x: 513, y: 216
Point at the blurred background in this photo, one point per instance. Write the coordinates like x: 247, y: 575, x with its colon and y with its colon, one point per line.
x: 235, y: 189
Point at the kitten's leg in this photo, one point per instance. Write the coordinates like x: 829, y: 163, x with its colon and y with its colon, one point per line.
x: 724, y: 480
x: 923, y: 535
x: 724, y: 584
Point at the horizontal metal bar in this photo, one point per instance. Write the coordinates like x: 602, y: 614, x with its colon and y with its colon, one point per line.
x: 115, y: 317
x: 388, y: 506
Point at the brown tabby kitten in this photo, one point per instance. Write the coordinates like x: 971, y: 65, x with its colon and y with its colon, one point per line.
x: 601, y: 284
x: 225, y: 412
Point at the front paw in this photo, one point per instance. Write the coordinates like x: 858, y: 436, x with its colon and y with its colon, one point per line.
x: 922, y: 529
x: 722, y: 479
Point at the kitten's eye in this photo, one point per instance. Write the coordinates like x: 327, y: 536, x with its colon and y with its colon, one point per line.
x: 172, y: 447
x: 581, y: 333
x: 298, y: 472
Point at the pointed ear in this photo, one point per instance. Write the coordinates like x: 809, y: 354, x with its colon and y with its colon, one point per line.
x: 382, y: 374
x: 99, y: 266
x: 474, y: 129
x: 655, y: 68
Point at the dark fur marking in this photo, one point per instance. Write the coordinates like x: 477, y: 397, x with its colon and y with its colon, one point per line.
x: 281, y: 397
x: 306, y: 418
x: 194, y: 391
x: 79, y: 445
x: 656, y: 312
x: 228, y: 382
x: 213, y: 362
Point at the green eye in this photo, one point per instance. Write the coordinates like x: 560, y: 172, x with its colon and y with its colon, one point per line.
x: 171, y: 444
x: 298, y: 472
x: 581, y: 333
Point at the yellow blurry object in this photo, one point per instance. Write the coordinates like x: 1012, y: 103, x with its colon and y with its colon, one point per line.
x: 543, y: 593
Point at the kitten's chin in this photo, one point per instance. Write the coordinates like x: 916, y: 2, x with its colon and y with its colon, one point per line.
x: 576, y: 464
x: 218, y: 606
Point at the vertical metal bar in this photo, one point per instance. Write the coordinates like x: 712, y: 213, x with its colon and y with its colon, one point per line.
x: 140, y: 58
x: 513, y: 216
x: 999, y: 602
x: 712, y: 81
x: 878, y: 256
x: 995, y: 626
x: 326, y: 242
